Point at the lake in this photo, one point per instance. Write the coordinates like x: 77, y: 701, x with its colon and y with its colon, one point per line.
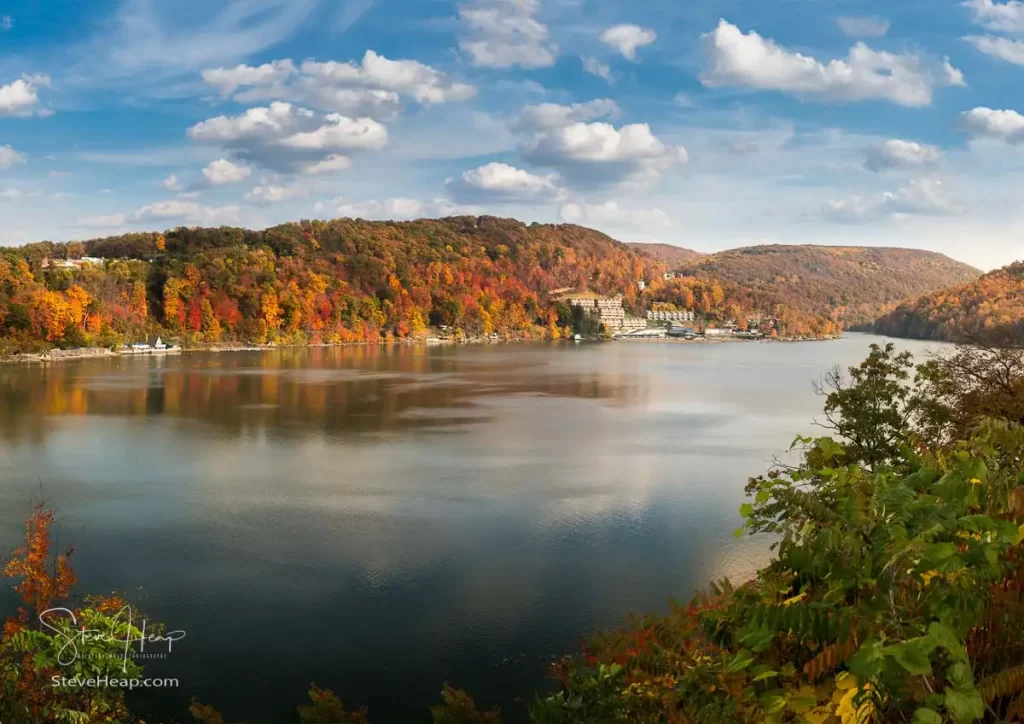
x: 383, y: 520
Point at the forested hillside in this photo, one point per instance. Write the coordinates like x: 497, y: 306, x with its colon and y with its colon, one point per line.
x: 336, y: 281
x: 673, y: 256
x: 360, y: 281
x: 988, y: 309
x: 854, y: 285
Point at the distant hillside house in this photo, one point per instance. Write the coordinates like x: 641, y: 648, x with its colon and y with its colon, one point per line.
x: 72, y: 263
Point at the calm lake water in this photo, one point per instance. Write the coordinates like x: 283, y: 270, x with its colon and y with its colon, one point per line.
x: 381, y: 521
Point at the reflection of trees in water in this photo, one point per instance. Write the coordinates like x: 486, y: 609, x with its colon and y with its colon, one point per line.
x: 292, y: 392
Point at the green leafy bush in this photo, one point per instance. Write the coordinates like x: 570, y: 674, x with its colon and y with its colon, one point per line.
x: 895, y: 594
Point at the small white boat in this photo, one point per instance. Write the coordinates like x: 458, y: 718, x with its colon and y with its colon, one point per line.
x: 577, y: 338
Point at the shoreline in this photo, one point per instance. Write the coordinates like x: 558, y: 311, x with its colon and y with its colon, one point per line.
x: 725, y: 340
x: 62, y: 356
x: 57, y: 356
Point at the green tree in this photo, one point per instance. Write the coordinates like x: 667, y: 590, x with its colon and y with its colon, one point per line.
x: 894, y: 594
x: 870, y: 410
x: 957, y: 389
x: 584, y: 323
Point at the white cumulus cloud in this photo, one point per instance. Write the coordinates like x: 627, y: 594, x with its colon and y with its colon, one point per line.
x: 596, y: 153
x: 287, y: 138
x: 403, y: 208
x: 256, y: 124
x: 1011, y: 51
x: 920, y: 197
x: 222, y: 172
x: 627, y: 38
x: 373, y: 87
x: 331, y: 164
x: 171, y: 183
x: 505, y: 34
x: 188, y: 211
x: 408, y: 77
x: 499, y: 182
x: 340, y: 133
x: 9, y: 157
x: 21, y: 97
x: 863, y: 27
x: 1006, y: 125
x: 998, y: 16
x: 271, y: 194
x: 228, y: 80
x: 735, y: 58
x: 545, y: 116
x: 896, y: 153
x: 596, y: 66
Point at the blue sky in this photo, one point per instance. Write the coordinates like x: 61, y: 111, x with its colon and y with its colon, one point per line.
x: 708, y: 125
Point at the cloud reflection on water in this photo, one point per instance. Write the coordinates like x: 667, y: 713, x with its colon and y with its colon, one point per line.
x: 471, y: 502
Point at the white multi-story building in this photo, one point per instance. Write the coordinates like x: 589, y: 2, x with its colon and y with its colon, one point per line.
x: 607, y: 310
x: 633, y: 324
x: 661, y: 316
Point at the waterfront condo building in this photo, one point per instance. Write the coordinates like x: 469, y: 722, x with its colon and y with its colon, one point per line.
x: 677, y: 316
x: 607, y: 310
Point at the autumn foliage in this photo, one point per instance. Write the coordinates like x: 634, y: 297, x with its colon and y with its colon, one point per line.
x: 314, y: 282
x: 30, y: 654
x: 989, y: 309
x: 359, y: 281
x: 851, y: 285
x: 42, y: 577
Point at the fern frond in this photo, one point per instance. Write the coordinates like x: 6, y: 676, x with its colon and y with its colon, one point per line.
x: 829, y: 658
x: 1005, y: 683
x: 1015, y: 712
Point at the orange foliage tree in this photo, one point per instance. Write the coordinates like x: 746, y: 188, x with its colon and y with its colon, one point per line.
x: 33, y: 656
x: 358, y: 281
